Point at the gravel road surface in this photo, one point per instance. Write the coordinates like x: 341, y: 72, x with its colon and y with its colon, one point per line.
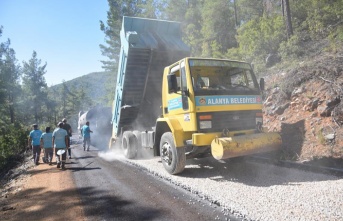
x: 254, y: 191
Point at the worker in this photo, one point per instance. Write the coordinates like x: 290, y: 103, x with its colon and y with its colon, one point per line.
x: 85, y: 131
x: 46, y: 143
x: 60, y: 143
x: 34, y: 142
x: 67, y: 127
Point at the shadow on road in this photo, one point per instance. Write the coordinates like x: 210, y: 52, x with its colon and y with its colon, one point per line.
x: 253, y: 174
x: 60, y: 205
x: 76, y: 169
x: 99, y: 203
x: 85, y: 157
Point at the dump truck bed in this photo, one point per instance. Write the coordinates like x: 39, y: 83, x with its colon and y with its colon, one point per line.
x: 147, y: 46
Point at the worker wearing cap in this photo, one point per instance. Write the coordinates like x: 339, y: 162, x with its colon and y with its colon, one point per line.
x: 67, y: 127
x: 60, y: 142
x: 46, y: 143
x: 85, y: 131
x: 34, y: 142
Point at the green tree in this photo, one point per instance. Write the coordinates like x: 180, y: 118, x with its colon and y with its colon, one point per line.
x: 117, y: 9
x: 319, y: 17
x: 150, y: 8
x: 82, y: 101
x: 34, y: 86
x: 248, y: 10
x: 9, y: 82
x: 219, y: 31
x: 188, y: 12
x: 262, y: 36
x: 12, y: 134
x: 51, y: 104
x: 79, y: 100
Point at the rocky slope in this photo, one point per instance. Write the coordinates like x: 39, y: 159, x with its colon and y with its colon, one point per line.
x: 303, y: 103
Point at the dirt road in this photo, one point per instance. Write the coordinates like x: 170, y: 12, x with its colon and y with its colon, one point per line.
x: 44, y: 193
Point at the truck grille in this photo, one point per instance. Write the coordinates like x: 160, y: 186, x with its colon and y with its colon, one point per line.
x: 231, y: 120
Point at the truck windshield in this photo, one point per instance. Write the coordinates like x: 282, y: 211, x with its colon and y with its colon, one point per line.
x: 222, y: 77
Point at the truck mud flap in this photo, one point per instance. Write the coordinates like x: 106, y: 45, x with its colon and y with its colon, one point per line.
x: 228, y: 147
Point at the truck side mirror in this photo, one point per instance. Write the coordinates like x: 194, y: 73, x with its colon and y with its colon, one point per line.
x: 172, y: 83
x: 262, y: 84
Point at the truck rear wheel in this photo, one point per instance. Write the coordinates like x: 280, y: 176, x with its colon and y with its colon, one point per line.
x: 140, y: 150
x: 173, y: 159
x: 129, y: 144
x: 138, y: 139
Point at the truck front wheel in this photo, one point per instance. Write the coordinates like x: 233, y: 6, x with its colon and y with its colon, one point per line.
x: 129, y: 144
x: 173, y: 159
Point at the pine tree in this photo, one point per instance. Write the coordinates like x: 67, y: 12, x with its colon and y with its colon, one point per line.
x: 9, y: 82
x: 219, y: 31
x: 34, y: 86
x: 117, y: 9
x: 188, y: 12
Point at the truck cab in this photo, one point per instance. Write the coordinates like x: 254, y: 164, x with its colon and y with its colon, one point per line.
x: 211, y: 106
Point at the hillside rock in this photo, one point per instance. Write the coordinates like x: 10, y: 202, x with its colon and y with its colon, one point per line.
x: 305, y: 107
x: 337, y: 114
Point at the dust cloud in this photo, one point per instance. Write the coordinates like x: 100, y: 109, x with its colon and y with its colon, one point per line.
x: 112, y: 155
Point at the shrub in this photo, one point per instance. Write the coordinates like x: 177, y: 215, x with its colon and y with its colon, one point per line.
x: 262, y: 36
x: 291, y: 48
x: 13, y: 142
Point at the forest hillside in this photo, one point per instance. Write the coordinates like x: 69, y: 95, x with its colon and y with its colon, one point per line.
x: 96, y: 86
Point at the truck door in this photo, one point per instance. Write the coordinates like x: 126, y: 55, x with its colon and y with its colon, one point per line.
x: 174, y: 100
x: 178, y: 103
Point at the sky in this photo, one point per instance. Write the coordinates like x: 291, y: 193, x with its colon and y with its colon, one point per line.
x: 65, y: 34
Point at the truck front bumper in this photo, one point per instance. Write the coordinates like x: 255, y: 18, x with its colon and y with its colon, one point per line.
x: 228, y: 147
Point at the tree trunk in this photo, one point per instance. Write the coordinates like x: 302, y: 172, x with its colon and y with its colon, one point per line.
x: 286, y: 11
x: 235, y: 9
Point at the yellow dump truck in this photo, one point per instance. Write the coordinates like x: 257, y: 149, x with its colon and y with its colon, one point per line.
x: 194, y: 107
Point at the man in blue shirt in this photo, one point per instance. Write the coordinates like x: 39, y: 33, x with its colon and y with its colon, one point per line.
x: 34, y: 141
x: 46, y: 142
x: 86, y: 133
x: 60, y: 142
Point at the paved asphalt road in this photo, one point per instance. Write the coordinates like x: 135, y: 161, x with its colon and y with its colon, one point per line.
x: 119, y: 191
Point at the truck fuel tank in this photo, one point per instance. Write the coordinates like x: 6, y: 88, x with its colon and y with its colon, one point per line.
x: 228, y: 147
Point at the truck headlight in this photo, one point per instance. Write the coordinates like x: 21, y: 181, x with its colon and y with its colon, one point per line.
x: 259, y: 121
x: 206, y: 124
x: 259, y: 118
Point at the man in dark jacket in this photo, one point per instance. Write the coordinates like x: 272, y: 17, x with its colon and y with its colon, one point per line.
x: 67, y: 127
